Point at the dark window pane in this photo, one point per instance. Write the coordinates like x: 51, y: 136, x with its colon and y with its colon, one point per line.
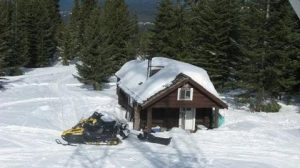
x: 188, y: 94
x: 182, y: 94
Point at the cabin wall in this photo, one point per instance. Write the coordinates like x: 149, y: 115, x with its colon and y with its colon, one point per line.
x: 165, y: 111
x: 163, y: 117
x: 199, y: 101
x: 123, y: 100
x: 169, y: 117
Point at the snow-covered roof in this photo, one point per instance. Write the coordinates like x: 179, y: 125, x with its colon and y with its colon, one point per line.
x: 133, y: 77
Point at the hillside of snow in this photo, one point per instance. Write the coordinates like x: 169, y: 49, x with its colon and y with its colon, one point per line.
x: 36, y: 107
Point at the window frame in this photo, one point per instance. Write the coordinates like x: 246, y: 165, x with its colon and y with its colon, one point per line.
x: 191, y: 90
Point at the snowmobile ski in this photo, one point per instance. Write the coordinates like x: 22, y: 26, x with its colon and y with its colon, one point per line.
x: 65, y: 144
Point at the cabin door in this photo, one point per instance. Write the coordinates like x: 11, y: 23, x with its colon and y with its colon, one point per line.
x: 187, y: 118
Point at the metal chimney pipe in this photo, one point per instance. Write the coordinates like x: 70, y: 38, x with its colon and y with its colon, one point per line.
x: 149, y: 67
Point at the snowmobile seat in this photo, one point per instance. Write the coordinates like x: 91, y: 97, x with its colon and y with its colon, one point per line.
x: 97, y: 115
x: 91, y: 127
x: 109, y: 123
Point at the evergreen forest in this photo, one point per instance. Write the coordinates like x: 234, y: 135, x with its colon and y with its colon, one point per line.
x: 252, y: 45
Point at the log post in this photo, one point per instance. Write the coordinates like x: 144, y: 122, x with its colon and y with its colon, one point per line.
x: 216, y: 117
x: 137, y: 118
x: 149, y: 119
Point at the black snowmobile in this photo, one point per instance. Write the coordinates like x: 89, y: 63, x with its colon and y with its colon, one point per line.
x: 96, y: 131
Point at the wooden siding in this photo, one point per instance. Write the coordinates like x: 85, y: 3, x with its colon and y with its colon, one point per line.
x: 123, y: 100
x: 169, y: 117
x: 199, y: 100
x: 163, y: 117
x: 180, y: 81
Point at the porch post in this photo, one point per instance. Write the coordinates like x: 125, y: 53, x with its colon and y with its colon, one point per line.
x: 149, y: 119
x: 215, y: 117
x: 137, y: 119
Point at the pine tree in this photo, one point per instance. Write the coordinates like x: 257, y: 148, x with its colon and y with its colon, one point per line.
x: 30, y: 39
x: 120, y: 31
x: 181, y: 34
x: 52, y: 7
x: 72, y: 34
x: 4, y: 33
x: 21, y: 33
x: 108, y: 41
x: 33, y: 33
x: 171, y: 34
x: 55, y: 26
x: 144, y: 43
x: 282, y: 48
x: 13, y: 60
x: 65, y: 43
x: 270, y: 43
x: 215, y: 38
x: 93, y: 67
x: 46, y: 44
x: 163, y: 27
x: 252, y: 43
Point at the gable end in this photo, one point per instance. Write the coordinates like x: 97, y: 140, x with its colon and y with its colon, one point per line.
x: 172, y: 91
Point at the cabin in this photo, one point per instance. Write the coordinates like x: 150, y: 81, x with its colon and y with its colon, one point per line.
x: 167, y: 93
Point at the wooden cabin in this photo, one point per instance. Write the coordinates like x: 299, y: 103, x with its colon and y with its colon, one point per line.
x: 167, y: 93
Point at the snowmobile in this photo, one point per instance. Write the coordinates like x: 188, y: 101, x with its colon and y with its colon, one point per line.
x: 94, y: 130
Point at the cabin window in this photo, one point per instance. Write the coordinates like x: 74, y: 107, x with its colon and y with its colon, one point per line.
x: 185, y: 93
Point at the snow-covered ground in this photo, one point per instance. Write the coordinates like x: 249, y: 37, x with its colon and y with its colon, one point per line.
x: 37, y: 106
